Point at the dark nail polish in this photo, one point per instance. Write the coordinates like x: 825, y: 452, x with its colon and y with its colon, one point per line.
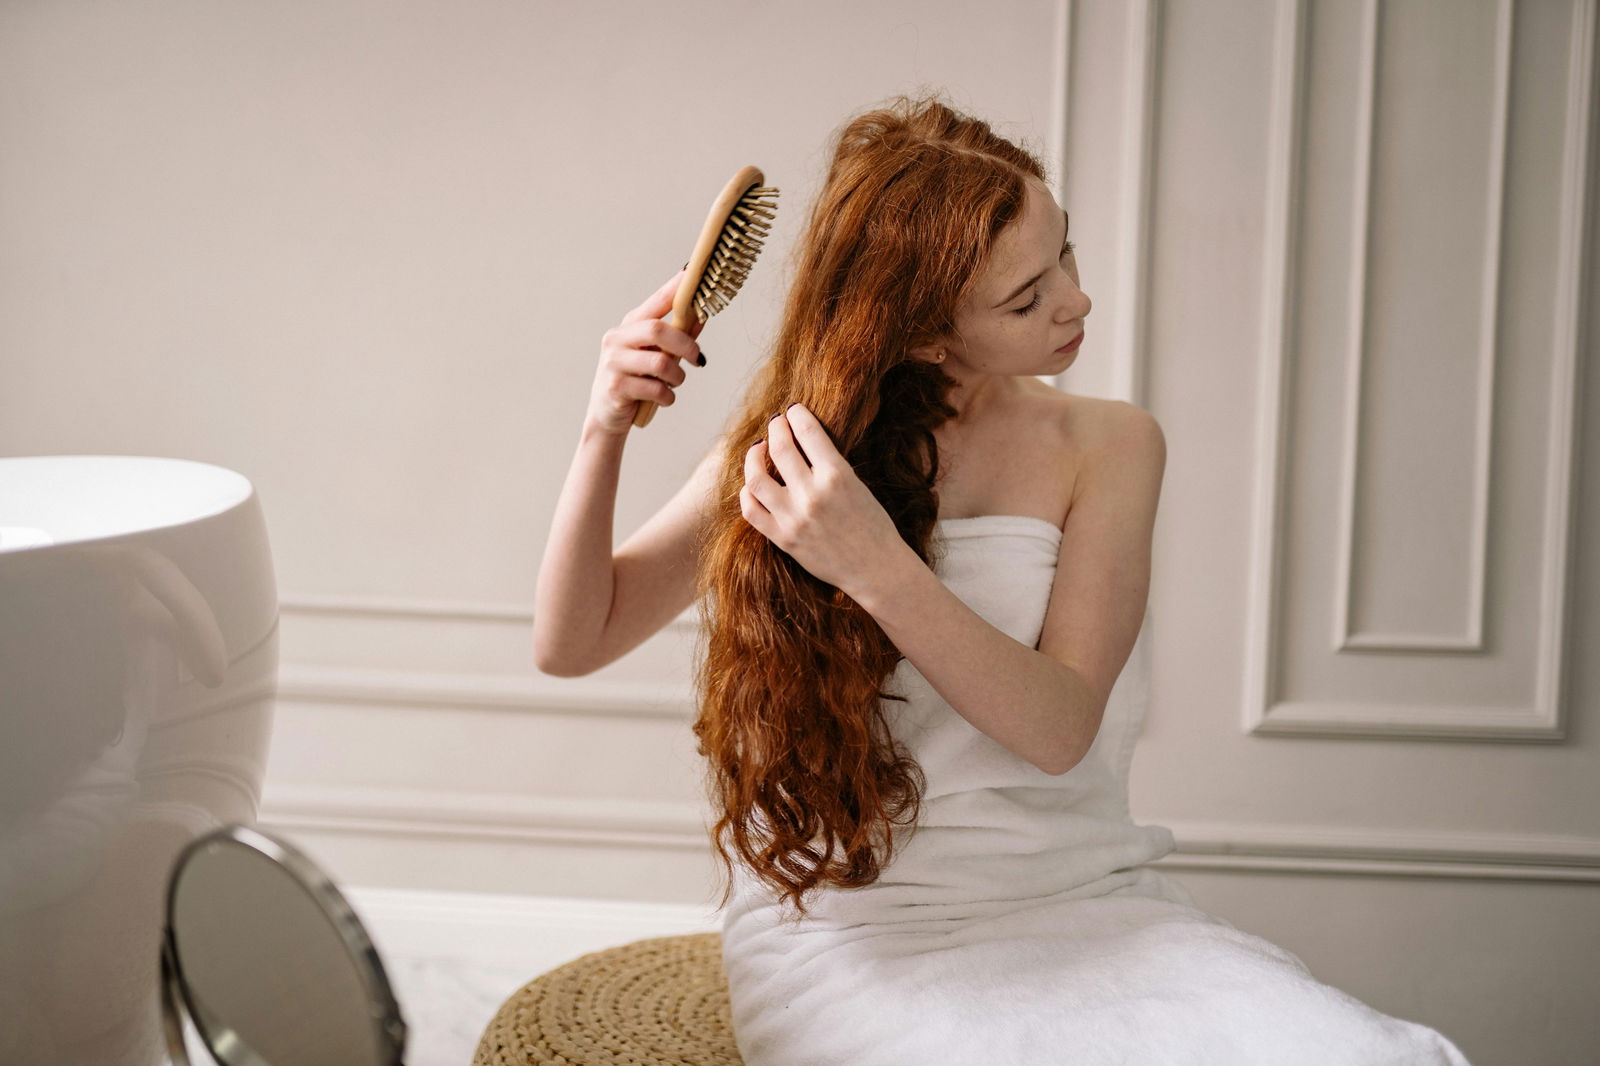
x: 702, y: 357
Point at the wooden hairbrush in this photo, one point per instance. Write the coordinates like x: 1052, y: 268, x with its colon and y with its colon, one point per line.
x: 728, y: 245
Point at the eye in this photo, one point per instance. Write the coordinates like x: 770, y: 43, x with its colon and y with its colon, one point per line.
x: 1066, y: 249
x: 1031, y: 306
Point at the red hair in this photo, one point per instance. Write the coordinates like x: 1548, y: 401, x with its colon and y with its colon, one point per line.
x: 803, y: 773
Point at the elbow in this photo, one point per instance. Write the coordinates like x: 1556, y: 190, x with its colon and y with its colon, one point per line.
x: 551, y: 662
x: 1072, y: 749
x: 551, y: 668
x: 1064, y: 763
x: 555, y: 668
x: 1056, y: 769
x: 548, y: 664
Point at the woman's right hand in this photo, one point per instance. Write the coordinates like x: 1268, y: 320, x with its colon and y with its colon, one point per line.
x: 641, y: 358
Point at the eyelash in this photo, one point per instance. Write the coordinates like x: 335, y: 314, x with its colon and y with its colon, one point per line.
x: 1065, y: 250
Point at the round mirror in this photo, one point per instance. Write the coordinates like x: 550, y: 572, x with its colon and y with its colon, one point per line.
x: 270, y: 963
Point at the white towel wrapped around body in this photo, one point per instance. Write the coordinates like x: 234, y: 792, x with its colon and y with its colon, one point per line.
x: 1018, y: 924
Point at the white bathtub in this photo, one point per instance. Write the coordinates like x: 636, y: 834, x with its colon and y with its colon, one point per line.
x: 138, y: 665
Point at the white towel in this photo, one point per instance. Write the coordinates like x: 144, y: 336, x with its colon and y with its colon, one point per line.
x: 1018, y: 925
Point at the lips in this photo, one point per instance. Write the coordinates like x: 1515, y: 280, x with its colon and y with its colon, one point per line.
x: 1071, y: 345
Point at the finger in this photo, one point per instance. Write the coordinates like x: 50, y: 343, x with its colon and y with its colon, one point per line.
x: 756, y: 478
x: 812, y: 437
x: 786, y: 454
x: 657, y: 303
x: 660, y: 335
x: 662, y: 366
x: 753, y: 512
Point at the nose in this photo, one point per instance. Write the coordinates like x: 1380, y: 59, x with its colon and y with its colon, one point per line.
x: 1077, y: 305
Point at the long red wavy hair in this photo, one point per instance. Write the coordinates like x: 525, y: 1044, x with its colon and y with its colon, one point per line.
x: 802, y: 771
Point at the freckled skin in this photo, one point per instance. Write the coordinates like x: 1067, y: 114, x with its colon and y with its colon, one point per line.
x: 993, y: 343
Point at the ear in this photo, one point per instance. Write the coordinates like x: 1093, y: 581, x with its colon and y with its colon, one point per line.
x: 928, y: 353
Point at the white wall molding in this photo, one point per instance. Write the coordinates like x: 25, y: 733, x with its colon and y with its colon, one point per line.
x: 537, y: 932
x: 1129, y: 208
x: 1562, y: 442
x: 1141, y: 92
x: 426, y: 609
x: 1059, y: 142
x: 465, y: 655
x: 417, y: 812
x: 1400, y: 721
x: 424, y: 813
x: 1384, y: 852
x: 1280, y: 281
x: 1470, y: 638
x: 1540, y: 719
x: 533, y: 694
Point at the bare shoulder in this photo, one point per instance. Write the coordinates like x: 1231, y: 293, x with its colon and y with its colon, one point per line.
x: 1122, y: 445
x: 1090, y: 423
x: 1098, y: 436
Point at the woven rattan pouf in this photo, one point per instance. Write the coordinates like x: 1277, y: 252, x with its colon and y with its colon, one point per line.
x: 658, y: 1002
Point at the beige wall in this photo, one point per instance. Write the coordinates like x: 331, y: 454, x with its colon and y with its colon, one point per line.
x: 363, y: 253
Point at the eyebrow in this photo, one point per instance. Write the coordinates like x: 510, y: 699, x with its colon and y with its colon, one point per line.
x: 1065, y: 229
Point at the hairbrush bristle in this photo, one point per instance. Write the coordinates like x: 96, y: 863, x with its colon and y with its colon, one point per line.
x: 736, y: 249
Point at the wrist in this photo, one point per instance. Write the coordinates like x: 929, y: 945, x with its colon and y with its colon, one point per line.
x: 878, y: 588
x: 596, y: 429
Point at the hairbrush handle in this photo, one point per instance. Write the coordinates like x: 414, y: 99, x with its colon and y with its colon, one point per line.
x: 729, y: 242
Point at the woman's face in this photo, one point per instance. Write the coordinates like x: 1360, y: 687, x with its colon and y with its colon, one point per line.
x: 1025, y: 303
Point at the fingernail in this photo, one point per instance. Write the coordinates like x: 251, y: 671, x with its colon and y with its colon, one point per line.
x: 702, y: 358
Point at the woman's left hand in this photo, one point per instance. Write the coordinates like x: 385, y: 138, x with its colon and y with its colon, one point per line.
x: 822, y: 514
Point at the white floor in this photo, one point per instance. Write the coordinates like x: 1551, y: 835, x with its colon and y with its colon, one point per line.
x: 447, y: 1001
x: 454, y: 958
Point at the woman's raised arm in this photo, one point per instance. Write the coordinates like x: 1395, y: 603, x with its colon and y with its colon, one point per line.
x: 589, y: 608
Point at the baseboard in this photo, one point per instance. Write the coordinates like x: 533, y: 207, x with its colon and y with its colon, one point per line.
x: 535, y: 932
x: 680, y: 827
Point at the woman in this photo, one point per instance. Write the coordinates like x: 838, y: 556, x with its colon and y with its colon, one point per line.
x: 922, y: 572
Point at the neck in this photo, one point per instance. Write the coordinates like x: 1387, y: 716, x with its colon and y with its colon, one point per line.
x: 974, y: 394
